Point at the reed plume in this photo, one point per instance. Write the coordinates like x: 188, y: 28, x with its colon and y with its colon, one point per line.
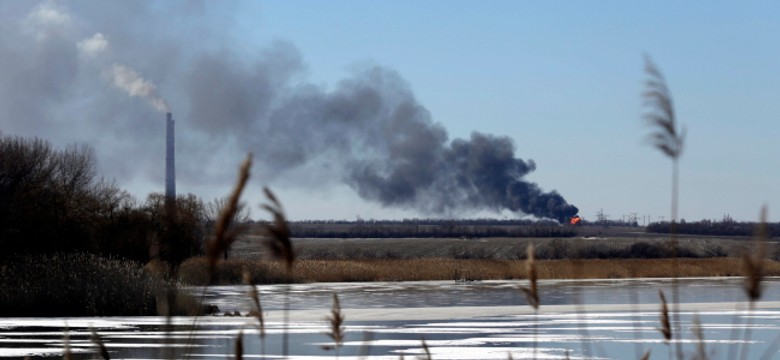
x: 278, y: 241
x: 668, y: 138
x: 278, y: 231
x: 666, y: 328
x: 223, y: 235
x: 660, y: 114
x: 336, y: 331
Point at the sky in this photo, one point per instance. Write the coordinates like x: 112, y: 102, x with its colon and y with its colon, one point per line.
x: 404, y: 109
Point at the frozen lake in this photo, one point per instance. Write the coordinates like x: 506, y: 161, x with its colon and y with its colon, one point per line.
x: 613, y: 319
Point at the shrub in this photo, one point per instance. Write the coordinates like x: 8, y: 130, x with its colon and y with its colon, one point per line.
x: 52, y: 201
x: 76, y: 285
x: 645, y: 250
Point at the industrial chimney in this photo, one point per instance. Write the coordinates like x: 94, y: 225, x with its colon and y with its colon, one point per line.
x: 170, y: 162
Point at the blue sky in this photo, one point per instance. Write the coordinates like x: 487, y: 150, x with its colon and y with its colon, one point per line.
x: 561, y: 78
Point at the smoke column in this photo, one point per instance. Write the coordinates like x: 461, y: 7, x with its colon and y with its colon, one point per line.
x: 128, y: 80
x: 372, y: 133
x: 367, y: 131
x: 170, y: 161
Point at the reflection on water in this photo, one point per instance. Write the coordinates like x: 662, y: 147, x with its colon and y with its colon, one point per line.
x: 584, y: 319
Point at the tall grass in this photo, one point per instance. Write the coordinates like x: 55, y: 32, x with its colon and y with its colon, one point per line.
x: 76, y: 285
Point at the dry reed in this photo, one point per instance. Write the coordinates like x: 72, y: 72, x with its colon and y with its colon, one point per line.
x: 66, y: 353
x: 753, y: 268
x: 426, y: 350
x: 701, y: 350
x: 336, y: 330
x: 100, y: 344
x: 646, y: 355
x: 666, y: 328
x: 669, y: 140
x: 278, y: 231
x: 239, y: 351
x: 660, y: 114
x: 257, y: 309
x: 531, y: 292
x: 223, y: 235
x: 753, y: 262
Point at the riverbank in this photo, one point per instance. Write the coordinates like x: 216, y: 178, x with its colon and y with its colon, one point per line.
x: 195, y: 271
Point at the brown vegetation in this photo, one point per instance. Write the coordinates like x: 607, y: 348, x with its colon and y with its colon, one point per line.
x: 75, y: 285
x: 195, y: 271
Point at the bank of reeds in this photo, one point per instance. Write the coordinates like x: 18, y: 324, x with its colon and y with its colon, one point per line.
x: 75, y: 285
x: 195, y: 271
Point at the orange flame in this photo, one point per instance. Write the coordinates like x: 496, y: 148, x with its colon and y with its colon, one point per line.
x: 575, y: 220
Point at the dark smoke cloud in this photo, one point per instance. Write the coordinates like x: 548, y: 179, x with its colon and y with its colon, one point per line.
x: 368, y: 131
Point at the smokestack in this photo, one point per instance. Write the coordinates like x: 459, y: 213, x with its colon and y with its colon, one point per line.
x: 170, y: 161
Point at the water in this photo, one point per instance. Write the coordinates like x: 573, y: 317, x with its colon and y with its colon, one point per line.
x: 599, y: 319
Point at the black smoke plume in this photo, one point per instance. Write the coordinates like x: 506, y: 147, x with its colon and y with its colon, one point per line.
x: 368, y: 131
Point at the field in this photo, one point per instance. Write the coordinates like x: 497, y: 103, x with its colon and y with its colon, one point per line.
x: 590, y: 242
x: 595, y: 253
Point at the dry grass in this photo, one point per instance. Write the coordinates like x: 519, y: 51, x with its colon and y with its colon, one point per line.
x: 666, y: 328
x: 336, y: 330
x: 224, y: 236
x: 195, y: 271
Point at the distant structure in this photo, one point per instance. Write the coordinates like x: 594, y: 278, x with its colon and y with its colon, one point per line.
x: 170, y: 161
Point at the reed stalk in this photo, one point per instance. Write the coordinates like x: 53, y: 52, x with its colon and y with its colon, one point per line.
x: 666, y: 328
x: 100, y: 345
x: 753, y: 268
x: 532, y: 291
x: 668, y: 138
x: 336, y: 330
x: 257, y: 309
x: 278, y: 241
x: 224, y: 233
x: 239, y: 346
x: 701, y: 349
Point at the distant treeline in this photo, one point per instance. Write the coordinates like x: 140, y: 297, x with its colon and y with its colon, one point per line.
x: 716, y: 228
x: 431, y: 221
x: 431, y: 228
x: 52, y: 201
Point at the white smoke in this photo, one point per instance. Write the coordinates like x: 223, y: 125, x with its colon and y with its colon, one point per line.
x: 122, y: 76
x: 94, y: 46
x: 47, y: 19
x: 128, y: 80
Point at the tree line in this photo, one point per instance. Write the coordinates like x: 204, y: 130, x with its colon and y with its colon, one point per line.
x: 443, y: 229
x: 727, y: 227
x: 52, y: 201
